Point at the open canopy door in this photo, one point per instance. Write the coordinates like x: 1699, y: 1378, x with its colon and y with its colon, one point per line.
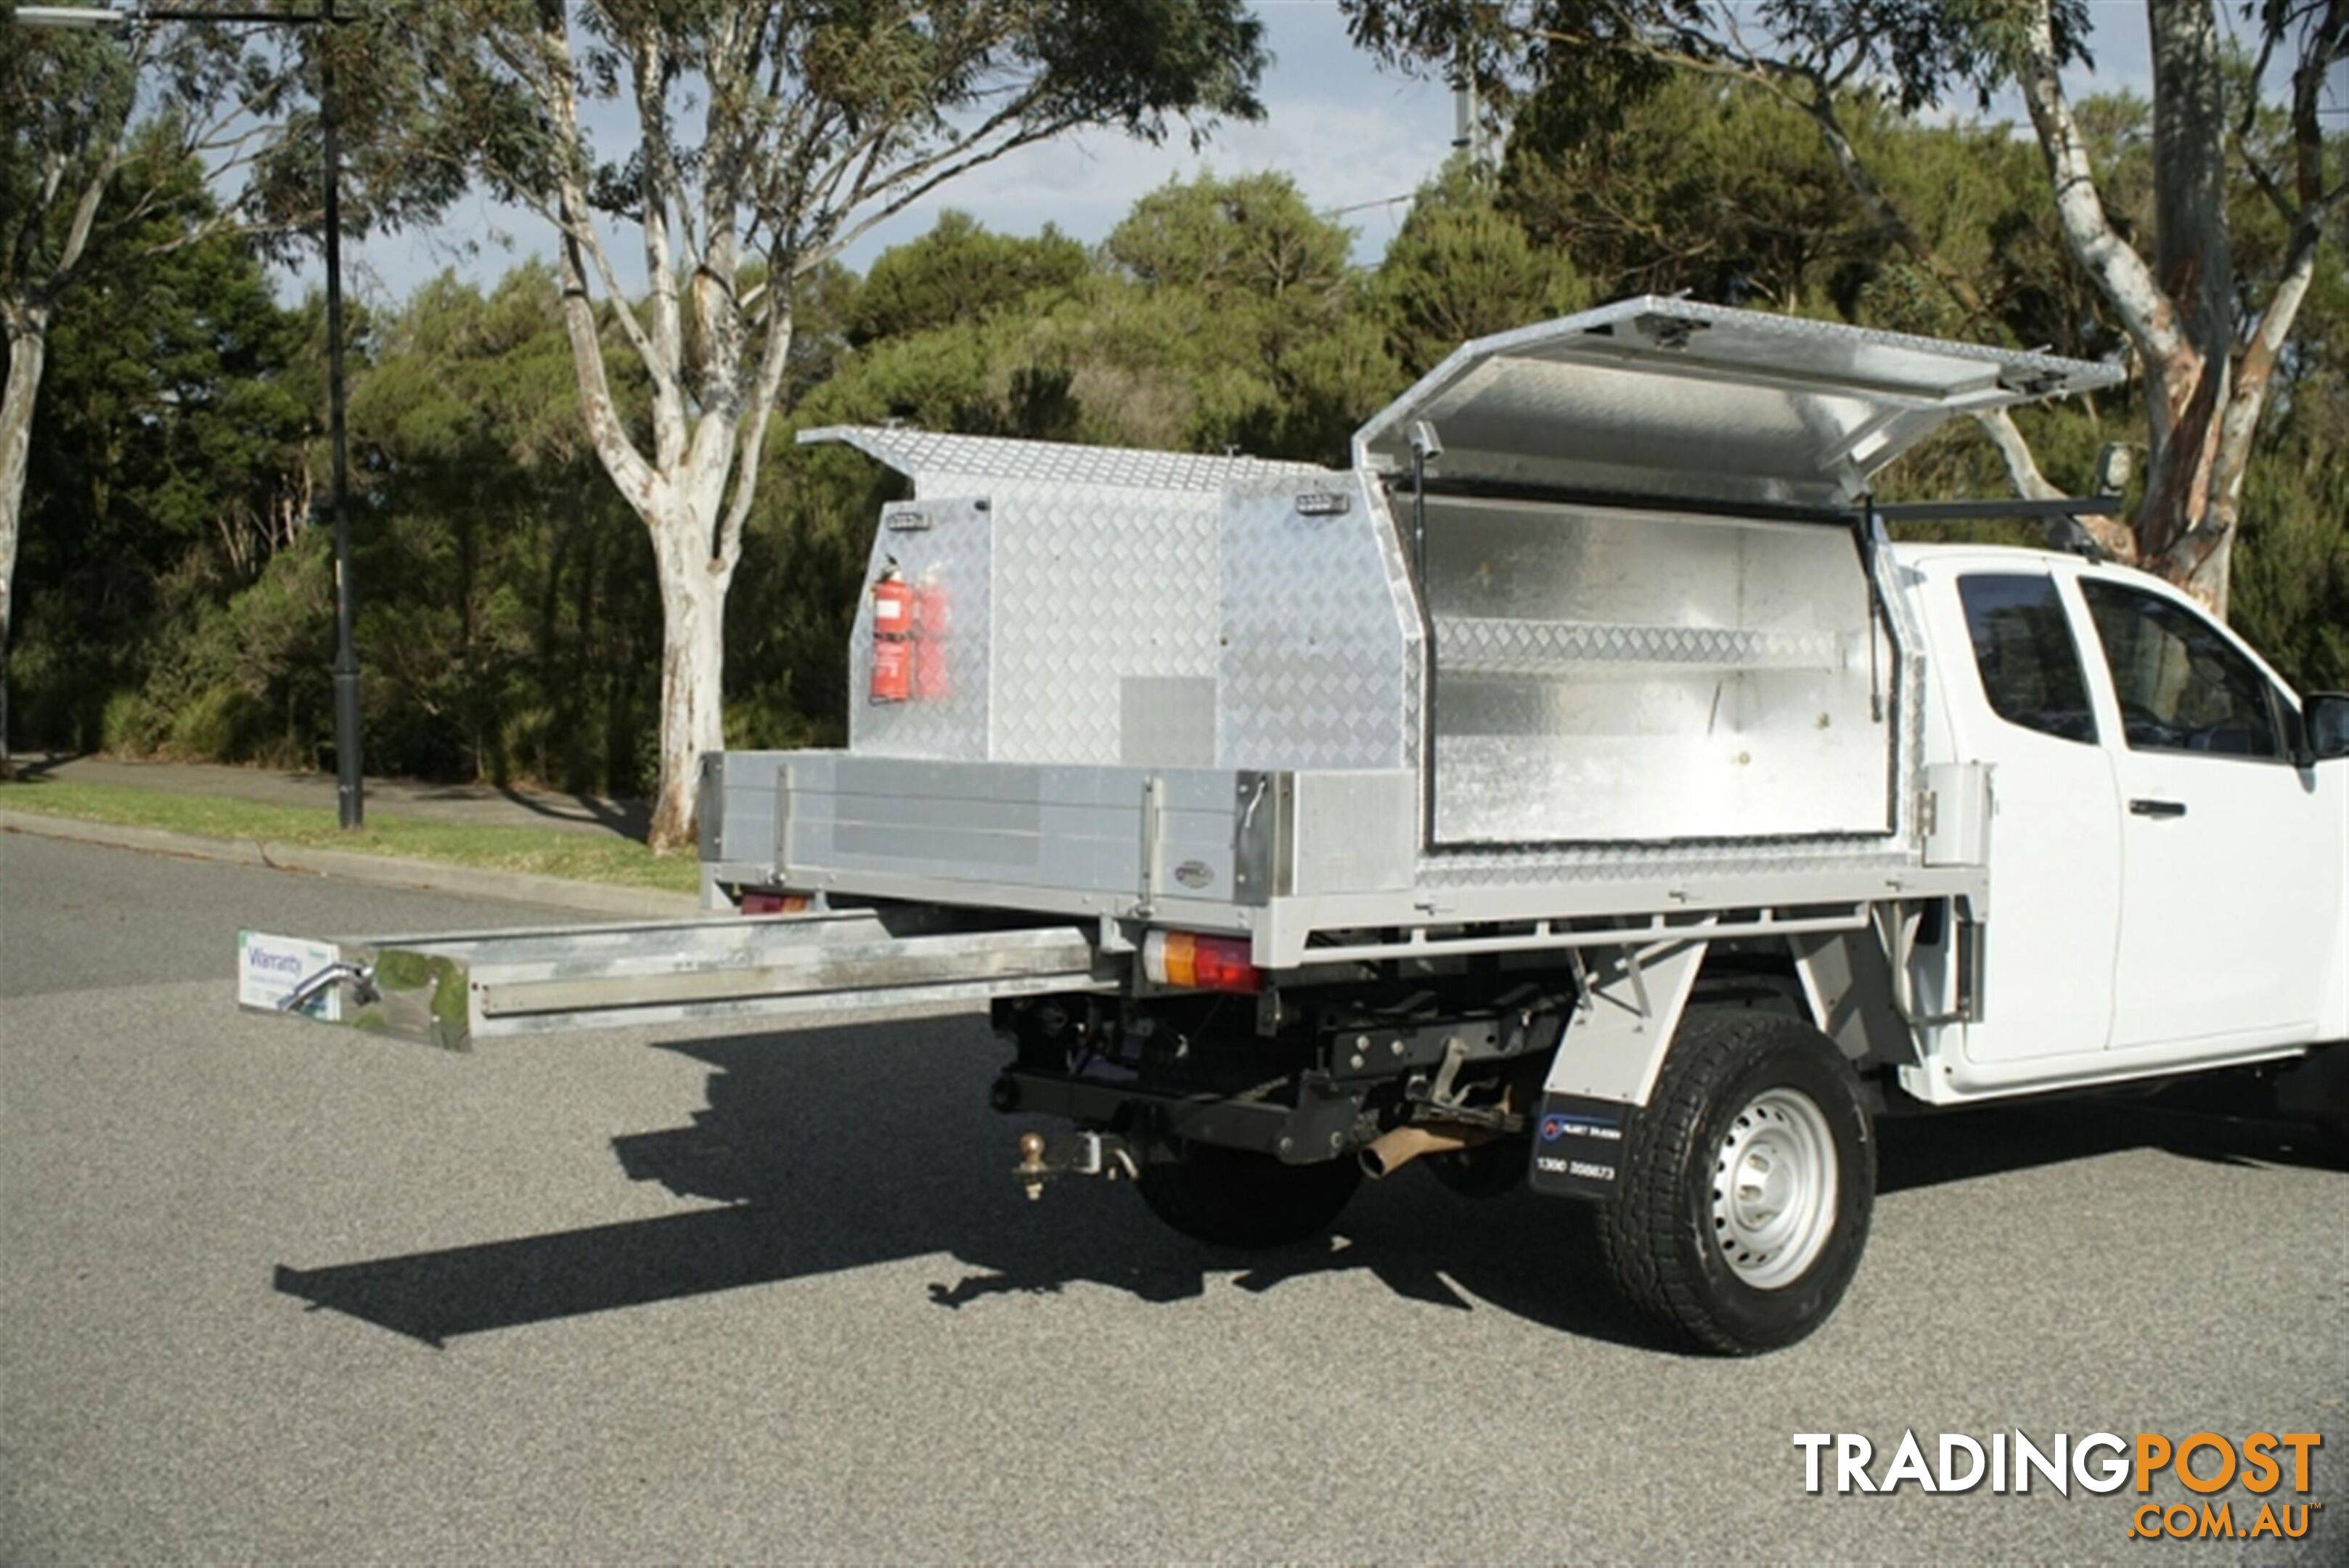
x: 1671, y: 398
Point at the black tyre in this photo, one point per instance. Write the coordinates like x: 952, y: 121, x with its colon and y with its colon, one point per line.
x: 1233, y: 1198
x: 1742, y: 1205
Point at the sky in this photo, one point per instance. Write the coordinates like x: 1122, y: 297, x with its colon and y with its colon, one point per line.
x: 1352, y: 136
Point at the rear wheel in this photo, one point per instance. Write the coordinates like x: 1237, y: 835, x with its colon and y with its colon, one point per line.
x: 1235, y: 1197
x: 1747, y: 1185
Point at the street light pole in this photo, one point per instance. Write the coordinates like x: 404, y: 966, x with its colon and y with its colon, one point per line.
x: 350, y: 797
x: 350, y: 791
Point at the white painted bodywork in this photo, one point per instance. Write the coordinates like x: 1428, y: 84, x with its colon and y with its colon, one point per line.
x: 2118, y: 944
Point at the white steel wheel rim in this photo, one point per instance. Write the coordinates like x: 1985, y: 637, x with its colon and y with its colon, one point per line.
x: 1773, y: 1189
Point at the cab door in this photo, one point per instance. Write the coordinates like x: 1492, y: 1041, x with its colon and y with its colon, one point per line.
x: 2016, y: 689
x: 2227, y: 904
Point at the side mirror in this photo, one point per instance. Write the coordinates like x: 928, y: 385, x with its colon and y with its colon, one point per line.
x: 2324, y: 720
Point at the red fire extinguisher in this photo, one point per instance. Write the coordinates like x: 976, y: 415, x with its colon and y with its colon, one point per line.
x: 930, y: 683
x: 893, y: 633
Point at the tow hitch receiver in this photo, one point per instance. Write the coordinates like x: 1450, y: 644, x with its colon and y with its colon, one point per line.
x: 1042, y: 1158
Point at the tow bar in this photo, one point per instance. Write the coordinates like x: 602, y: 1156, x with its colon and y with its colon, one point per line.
x: 1042, y: 1158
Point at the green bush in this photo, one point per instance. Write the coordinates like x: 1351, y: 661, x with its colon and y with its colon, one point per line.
x: 130, y: 725
x: 221, y: 723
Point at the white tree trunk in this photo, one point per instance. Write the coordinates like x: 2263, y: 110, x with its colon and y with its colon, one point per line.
x: 28, y: 345
x: 693, y: 662
x: 2179, y: 325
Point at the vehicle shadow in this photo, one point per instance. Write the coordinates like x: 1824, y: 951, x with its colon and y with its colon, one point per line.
x: 2218, y: 1120
x: 850, y: 1148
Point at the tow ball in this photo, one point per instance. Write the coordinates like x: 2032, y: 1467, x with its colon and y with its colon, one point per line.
x: 1042, y: 1158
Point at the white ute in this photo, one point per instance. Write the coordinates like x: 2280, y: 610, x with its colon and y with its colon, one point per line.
x: 1576, y: 790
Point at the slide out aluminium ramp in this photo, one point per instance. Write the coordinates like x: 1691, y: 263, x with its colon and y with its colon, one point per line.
x: 452, y: 990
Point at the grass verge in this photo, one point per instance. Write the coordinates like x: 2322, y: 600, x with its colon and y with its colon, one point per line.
x: 536, y: 851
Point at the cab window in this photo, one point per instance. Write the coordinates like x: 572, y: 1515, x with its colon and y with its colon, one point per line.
x: 2182, y: 686
x: 2023, y: 651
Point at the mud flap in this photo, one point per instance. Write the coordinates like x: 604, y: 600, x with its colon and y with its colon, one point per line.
x: 1578, y: 1146
x: 1607, y: 1064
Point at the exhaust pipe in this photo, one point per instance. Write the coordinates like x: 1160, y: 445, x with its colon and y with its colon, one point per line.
x: 1393, y: 1150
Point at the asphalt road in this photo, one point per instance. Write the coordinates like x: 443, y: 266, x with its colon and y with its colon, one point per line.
x: 269, y: 1291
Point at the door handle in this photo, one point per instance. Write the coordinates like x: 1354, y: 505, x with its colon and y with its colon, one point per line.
x: 2157, y: 808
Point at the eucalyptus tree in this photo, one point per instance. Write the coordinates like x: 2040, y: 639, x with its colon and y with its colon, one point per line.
x: 167, y: 459
x: 1461, y: 268
x: 234, y: 98
x: 745, y: 145
x: 68, y: 103
x: 2208, y: 330
x: 1238, y: 307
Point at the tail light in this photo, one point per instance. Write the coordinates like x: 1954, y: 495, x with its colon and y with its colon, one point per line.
x: 773, y: 903
x: 1200, y: 962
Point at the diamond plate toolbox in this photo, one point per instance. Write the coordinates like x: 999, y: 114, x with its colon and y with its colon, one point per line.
x: 1079, y: 593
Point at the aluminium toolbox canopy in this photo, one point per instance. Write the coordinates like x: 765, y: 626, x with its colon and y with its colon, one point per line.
x: 1644, y: 653
x: 1671, y: 397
